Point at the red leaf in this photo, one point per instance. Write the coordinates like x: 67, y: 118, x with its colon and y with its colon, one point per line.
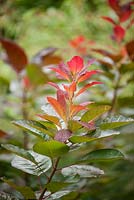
x: 61, y: 73
x: 63, y: 135
x: 114, y: 4
x: 87, y: 75
x: 119, y: 33
x: 87, y: 86
x: 75, y: 64
x: 125, y: 12
x: 57, y: 107
x: 54, y: 85
x: 109, y: 20
x: 16, y: 56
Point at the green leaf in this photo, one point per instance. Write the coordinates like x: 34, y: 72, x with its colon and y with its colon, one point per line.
x: 59, y: 194
x: 18, y: 151
x: 36, y: 75
x: 115, y: 122
x: 97, y: 136
x: 56, y: 186
x: 36, y: 128
x: 51, y: 148
x: 84, y: 171
x: 27, y: 192
x: 74, y: 125
x: 81, y: 139
x: 94, y: 112
x: 127, y: 67
x: 29, y: 161
x: 102, y: 155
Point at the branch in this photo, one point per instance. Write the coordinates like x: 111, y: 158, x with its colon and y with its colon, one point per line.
x: 50, y: 178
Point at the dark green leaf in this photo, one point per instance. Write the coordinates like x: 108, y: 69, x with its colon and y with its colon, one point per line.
x: 103, y: 154
x: 51, y: 148
x: 34, y: 127
x: 59, y: 194
x: 7, y: 196
x: 29, y: 161
x: 56, y: 186
x: 97, y: 136
x: 115, y: 122
x: 27, y: 192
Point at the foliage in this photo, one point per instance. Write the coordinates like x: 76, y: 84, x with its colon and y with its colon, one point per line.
x: 71, y: 149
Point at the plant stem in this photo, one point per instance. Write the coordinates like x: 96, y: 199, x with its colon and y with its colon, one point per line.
x: 25, y: 116
x: 50, y: 178
x: 115, y: 94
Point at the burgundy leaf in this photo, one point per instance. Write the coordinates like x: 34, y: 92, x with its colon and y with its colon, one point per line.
x: 130, y: 49
x: 63, y: 135
x: 16, y: 56
x: 109, y: 20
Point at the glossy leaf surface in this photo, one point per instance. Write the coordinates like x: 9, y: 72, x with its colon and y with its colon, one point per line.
x: 51, y: 148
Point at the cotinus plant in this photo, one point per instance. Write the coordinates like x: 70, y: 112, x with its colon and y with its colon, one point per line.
x: 62, y: 154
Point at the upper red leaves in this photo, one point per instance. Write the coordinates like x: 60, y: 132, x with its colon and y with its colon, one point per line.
x: 74, y: 72
x: 75, y: 64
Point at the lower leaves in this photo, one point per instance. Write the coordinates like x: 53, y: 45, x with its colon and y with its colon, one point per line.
x: 84, y: 171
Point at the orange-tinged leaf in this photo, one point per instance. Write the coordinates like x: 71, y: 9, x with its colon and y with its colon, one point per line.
x: 75, y: 109
x: 72, y: 89
x: 87, y: 75
x: 61, y: 99
x: 3, y: 134
x: 16, y: 56
x: 57, y: 107
x: 51, y: 60
x: 87, y: 86
x: 50, y: 118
